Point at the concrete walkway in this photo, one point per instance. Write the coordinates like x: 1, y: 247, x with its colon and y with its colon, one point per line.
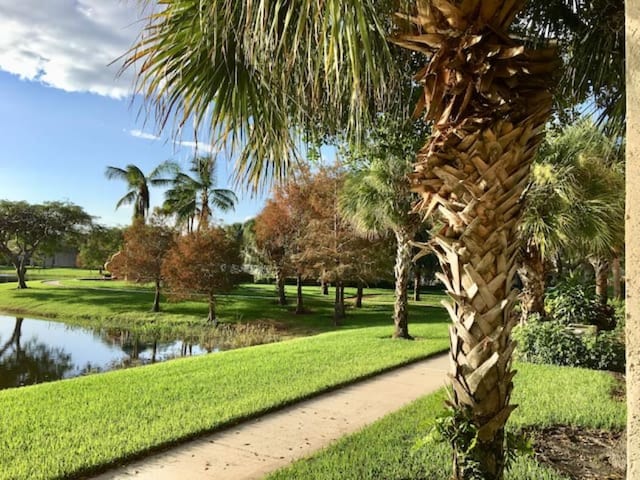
x: 254, y: 448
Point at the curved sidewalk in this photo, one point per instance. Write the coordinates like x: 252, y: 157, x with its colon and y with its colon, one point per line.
x: 252, y: 449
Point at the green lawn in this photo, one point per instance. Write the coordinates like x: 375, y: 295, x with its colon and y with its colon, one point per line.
x: 547, y: 395
x: 127, y: 305
x: 70, y: 427
x: 36, y: 273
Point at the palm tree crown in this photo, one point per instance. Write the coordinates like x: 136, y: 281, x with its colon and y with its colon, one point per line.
x: 138, y: 186
x: 195, y: 196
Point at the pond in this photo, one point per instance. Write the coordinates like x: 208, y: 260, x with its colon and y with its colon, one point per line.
x: 35, y: 351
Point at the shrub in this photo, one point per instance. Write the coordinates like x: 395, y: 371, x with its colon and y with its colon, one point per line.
x: 549, y: 342
x: 553, y: 343
x: 572, y: 301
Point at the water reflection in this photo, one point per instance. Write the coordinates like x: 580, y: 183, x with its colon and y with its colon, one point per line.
x: 30, y: 362
x: 35, y: 351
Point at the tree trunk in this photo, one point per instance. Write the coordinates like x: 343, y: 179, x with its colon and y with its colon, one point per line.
x: 282, y: 298
x: 21, y: 271
x: 632, y: 238
x: 324, y: 284
x: 533, y: 275
x: 417, y: 280
x: 211, y: 318
x: 616, y: 272
x: 338, y: 306
x: 601, y: 268
x: 401, y: 272
x: 156, y: 298
x: 299, y: 305
x: 359, y: 294
x: 486, y: 128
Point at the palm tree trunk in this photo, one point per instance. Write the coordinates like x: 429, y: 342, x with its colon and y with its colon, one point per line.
x: 489, y: 100
x: 417, y: 280
x: 282, y: 296
x: 533, y: 275
x: 299, y: 305
x: 401, y: 271
x: 616, y: 272
x: 359, y: 294
x: 156, y: 298
x: 601, y: 268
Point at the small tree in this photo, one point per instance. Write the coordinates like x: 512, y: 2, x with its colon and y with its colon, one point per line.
x: 273, y: 239
x: 26, y: 228
x: 206, y: 262
x: 144, y: 250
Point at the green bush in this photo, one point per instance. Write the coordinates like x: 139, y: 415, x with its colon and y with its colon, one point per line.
x: 553, y: 343
x: 572, y: 301
x: 550, y: 343
x: 605, y: 352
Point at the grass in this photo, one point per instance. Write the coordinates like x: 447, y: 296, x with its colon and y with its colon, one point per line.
x: 547, y: 395
x: 37, y: 273
x: 126, y: 305
x: 76, y: 426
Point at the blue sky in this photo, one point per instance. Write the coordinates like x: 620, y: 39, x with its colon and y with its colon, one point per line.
x: 64, y: 116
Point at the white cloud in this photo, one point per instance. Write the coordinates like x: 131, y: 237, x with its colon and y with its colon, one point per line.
x: 195, y: 146
x: 145, y: 135
x: 198, y: 146
x: 69, y: 44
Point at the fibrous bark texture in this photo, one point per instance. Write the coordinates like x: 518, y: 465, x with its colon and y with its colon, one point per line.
x: 488, y: 98
x: 532, y: 273
x: 401, y: 271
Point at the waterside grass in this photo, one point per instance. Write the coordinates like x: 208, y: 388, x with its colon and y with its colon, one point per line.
x: 547, y: 395
x: 117, y: 304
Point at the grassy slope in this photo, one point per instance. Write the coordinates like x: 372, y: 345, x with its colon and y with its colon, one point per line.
x: 71, y: 426
x: 547, y: 395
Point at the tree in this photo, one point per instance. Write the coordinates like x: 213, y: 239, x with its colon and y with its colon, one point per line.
x: 143, y: 252
x: 206, y: 262
x: 138, y: 186
x: 99, y: 244
x: 377, y: 200
x: 574, y: 208
x: 487, y: 96
x: 273, y: 239
x: 195, y: 196
x: 25, y: 228
x: 489, y: 100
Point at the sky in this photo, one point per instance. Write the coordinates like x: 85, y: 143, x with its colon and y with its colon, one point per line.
x: 65, y: 116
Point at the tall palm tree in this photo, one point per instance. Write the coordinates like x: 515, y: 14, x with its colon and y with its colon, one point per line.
x: 138, y: 186
x: 575, y: 205
x: 253, y: 72
x: 377, y: 200
x: 195, y: 196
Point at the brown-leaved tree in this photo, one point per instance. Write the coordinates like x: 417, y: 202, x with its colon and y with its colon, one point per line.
x: 206, y: 263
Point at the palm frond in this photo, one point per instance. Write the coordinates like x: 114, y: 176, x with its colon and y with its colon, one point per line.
x: 256, y: 74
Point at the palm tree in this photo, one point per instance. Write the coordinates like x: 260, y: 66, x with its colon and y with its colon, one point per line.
x: 575, y: 206
x: 377, y: 200
x: 195, y: 196
x: 138, y: 184
x: 255, y: 73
